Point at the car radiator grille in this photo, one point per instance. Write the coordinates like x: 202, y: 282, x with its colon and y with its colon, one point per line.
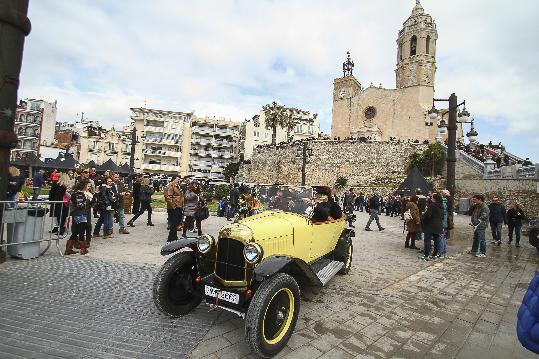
x: 230, y: 263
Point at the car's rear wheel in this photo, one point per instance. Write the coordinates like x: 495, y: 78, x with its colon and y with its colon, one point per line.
x: 272, y: 315
x: 175, y: 292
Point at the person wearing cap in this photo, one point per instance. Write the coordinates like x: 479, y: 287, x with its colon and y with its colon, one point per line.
x: 497, y: 218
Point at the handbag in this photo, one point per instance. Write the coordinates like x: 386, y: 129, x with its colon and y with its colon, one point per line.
x: 202, y: 213
x: 450, y: 223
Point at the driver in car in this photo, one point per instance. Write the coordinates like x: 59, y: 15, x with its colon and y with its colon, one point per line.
x: 325, y: 207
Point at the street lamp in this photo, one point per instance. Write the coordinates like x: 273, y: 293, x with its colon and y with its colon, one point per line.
x: 451, y: 159
x: 304, y: 153
x: 132, y: 157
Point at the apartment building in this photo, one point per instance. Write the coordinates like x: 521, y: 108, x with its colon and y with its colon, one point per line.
x: 254, y: 132
x: 99, y: 145
x: 34, y: 125
x: 161, y: 147
x: 213, y: 145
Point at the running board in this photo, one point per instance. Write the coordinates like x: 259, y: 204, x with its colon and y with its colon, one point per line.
x: 329, y: 271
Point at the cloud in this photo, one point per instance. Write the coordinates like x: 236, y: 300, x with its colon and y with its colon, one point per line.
x: 227, y: 58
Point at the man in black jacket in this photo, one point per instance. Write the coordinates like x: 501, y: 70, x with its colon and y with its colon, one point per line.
x: 233, y: 202
x: 136, y: 193
x: 497, y: 218
x: 431, y: 225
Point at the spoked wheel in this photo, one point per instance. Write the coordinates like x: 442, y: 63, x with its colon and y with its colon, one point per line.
x: 174, y: 290
x: 272, y: 315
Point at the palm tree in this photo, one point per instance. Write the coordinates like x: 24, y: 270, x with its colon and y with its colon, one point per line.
x: 279, y: 116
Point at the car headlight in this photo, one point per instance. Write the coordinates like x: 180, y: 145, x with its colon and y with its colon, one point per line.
x: 252, y: 253
x: 204, y: 243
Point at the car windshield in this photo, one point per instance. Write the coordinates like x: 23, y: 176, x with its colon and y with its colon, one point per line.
x: 286, y: 198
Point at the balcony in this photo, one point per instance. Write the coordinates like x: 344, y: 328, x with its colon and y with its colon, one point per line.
x: 153, y: 129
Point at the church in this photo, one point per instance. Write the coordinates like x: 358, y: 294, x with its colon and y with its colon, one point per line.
x: 381, y: 114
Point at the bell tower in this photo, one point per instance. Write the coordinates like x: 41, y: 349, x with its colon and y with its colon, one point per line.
x: 416, y: 50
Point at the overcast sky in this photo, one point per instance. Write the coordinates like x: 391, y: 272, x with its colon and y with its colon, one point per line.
x: 229, y: 58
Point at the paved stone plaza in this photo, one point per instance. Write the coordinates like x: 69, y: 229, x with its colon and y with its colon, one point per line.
x: 391, y: 305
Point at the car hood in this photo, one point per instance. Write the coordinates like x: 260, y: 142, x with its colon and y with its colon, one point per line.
x: 268, y: 225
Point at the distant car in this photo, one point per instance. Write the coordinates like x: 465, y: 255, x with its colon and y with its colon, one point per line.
x: 255, y: 269
x: 533, y: 232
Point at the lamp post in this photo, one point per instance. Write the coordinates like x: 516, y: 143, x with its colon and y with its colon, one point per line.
x: 14, y: 26
x: 464, y: 117
x: 132, y: 157
x: 304, y: 153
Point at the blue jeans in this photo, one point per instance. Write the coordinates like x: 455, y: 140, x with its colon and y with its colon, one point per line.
x: 442, y: 249
x: 427, y: 238
x: 12, y: 197
x: 107, y: 222
x: 516, y: 229
x: 121, y: 217
x: 496, y: 228
x: 479, y: 241
x: 98, y: 224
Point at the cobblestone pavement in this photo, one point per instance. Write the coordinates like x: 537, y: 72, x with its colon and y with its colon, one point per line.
x: 76, y: 307
x: 392, y: 305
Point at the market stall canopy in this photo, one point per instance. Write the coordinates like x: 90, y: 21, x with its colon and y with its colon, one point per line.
x: 30, y: 160
x: 109, y: 166
x: 92, y: 164
x: 414, y: 180
x: 125, y: 168
x: 62, y: 162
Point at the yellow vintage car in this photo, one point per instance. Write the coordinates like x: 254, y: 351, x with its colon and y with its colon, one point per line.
x: 255, y: 268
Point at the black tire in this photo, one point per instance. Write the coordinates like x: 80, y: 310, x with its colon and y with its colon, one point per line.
x: 347, y: 257
x: 267, y: 328
x: 175, y: 292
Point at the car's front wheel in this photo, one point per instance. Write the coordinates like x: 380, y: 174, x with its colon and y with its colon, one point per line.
x: 175, y: 291
x: 272, y: 315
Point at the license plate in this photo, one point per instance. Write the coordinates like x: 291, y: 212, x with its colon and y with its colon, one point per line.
x: 223, y: 295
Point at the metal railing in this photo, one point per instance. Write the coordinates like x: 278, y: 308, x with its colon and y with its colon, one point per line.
x: 49, y: 223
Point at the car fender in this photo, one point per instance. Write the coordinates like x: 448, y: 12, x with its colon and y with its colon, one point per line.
x: 285, y: 264
x: 175, y: 246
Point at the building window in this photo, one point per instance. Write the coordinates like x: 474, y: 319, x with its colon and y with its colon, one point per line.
x: 310, y: 130
x: 428, y: 44
x: 413, y: 45
x: 400, y: 52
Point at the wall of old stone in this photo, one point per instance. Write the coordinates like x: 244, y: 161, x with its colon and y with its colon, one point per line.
x: 374, y: 166
x: 523, y: 191
x: 379, y: 165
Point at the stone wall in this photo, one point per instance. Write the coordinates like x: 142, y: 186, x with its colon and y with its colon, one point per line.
x: 509, y: 191
x: 380, y: 165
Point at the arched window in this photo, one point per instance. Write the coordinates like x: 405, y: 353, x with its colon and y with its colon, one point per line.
x: 400, y: 51
x: 413, y: 45
x: 428, y: 45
